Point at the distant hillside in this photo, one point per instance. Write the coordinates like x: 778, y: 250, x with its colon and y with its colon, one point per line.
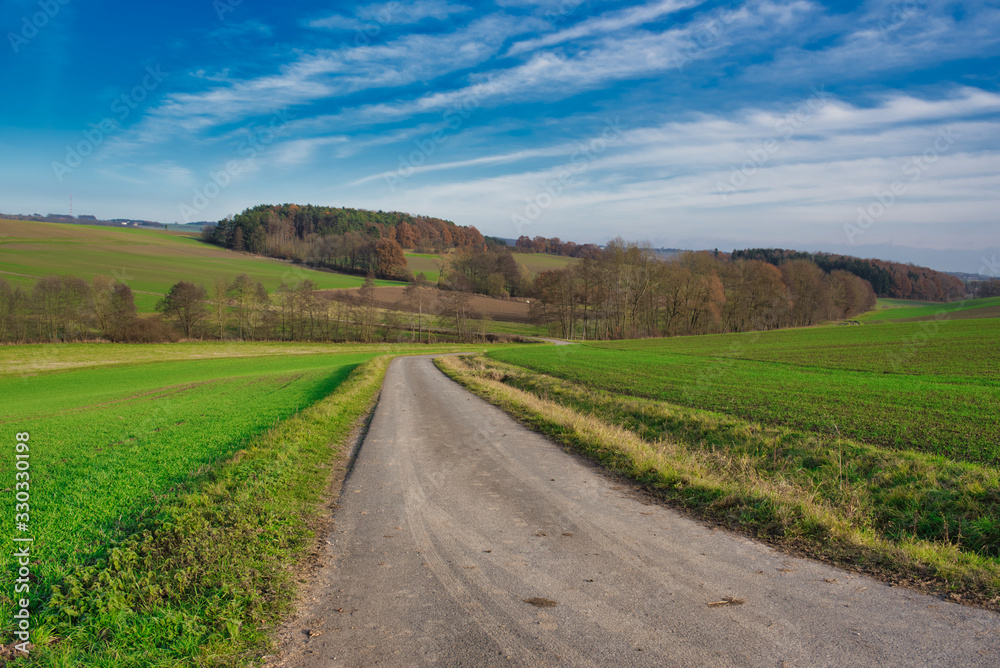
x: 268, y: 228
x: 888, y: 279
x: 355, y: 241
x: 148, y: 261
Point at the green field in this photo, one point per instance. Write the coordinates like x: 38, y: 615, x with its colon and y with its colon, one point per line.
x: 536, y: 263
x: 424, y: 262
x: 872, y: 447
x: 149, y: 261
x: 932, y: 387
x: 108, y: 442
x: 894, y: 310
x: 132, y: 455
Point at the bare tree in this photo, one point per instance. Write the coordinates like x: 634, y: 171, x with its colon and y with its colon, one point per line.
x: 455, y: 311
x: 367, y: 313
x: 220, y: 304
x: 419, y: 297
x: 121, y: 312
x: 186, y: 304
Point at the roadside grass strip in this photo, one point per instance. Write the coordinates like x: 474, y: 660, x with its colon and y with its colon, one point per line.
x: 205, y: 575
x: 907, y: 517
x: 892, y: 386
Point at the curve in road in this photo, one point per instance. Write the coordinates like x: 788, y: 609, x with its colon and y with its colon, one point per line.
x: 464, y: 539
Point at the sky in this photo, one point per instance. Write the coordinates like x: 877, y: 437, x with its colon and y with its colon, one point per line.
x: 871, y: 129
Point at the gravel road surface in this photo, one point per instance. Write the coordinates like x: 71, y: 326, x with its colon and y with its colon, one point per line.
x: 463, y: 539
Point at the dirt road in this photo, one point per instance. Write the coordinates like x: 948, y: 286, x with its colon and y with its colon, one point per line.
x: 465, y: 540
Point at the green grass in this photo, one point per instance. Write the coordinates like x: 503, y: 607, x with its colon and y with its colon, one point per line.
x: 905, y: 310
x: 905, y: 516
x: 932, y: 387
x: 149, y: 261
x: 888, y: 302
x: 504, y: 327
x: 423, y: 262
x: 536, y: 263
x: 170, y: 499
x: 109, y: 442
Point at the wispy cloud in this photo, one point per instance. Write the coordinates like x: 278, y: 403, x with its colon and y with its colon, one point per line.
x: 605, y: 24
x: 390, y: 14
x: 326, y: 75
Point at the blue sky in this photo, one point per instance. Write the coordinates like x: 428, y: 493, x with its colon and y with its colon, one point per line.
x: 872, y: 128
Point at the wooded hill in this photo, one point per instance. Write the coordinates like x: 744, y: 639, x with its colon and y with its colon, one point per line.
x: 355, y: 241
x: 888, y: 279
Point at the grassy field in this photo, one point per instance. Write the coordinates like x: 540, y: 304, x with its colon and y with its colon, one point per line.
x: 133, y: 457
x: 894, y: 310
x: 424, y: 262
x: 149, y: 261
x: 935, y: 389
x: 871, y: 447
x: 534, y: 262
x: 539, y: 262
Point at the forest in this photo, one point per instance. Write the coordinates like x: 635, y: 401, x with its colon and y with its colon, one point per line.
x: 68, y: 308
x: 354, y: 241
x: 888, y: 279
x: 627, y: 292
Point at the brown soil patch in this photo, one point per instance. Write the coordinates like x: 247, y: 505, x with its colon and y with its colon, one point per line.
x: 506, y: 310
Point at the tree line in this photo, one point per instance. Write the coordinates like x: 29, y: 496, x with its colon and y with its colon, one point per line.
x: 627, y: 292
x: 888, y: 279
x: 555, y: 246
x: 67, y: 308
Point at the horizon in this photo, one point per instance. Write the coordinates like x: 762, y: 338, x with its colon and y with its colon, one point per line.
x: 688, y: 124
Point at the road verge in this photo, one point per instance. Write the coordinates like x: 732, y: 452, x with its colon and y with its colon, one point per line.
x: 829, y: 498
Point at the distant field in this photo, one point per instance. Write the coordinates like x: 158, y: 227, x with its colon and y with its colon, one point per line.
x: 906, y: 310
x: 539, y: 262
x: 147, y: 260
x: 423, y: 262
x: 932, y: 387
x: 533, y: 262
x: 497, y: 309
x: 887, y: 302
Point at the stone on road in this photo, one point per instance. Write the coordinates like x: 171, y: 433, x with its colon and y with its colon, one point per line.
x: 464, y: 539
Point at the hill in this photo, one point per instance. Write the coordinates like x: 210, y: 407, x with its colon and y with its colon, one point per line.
x: 356, y: 241
x: 149, y: 261
x: 888, y: 279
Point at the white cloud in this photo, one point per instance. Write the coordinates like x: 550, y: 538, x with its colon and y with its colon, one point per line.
x: 840, y: 157
x: 327, y: 75
x: 605, y: 24
x: 373, y: 17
